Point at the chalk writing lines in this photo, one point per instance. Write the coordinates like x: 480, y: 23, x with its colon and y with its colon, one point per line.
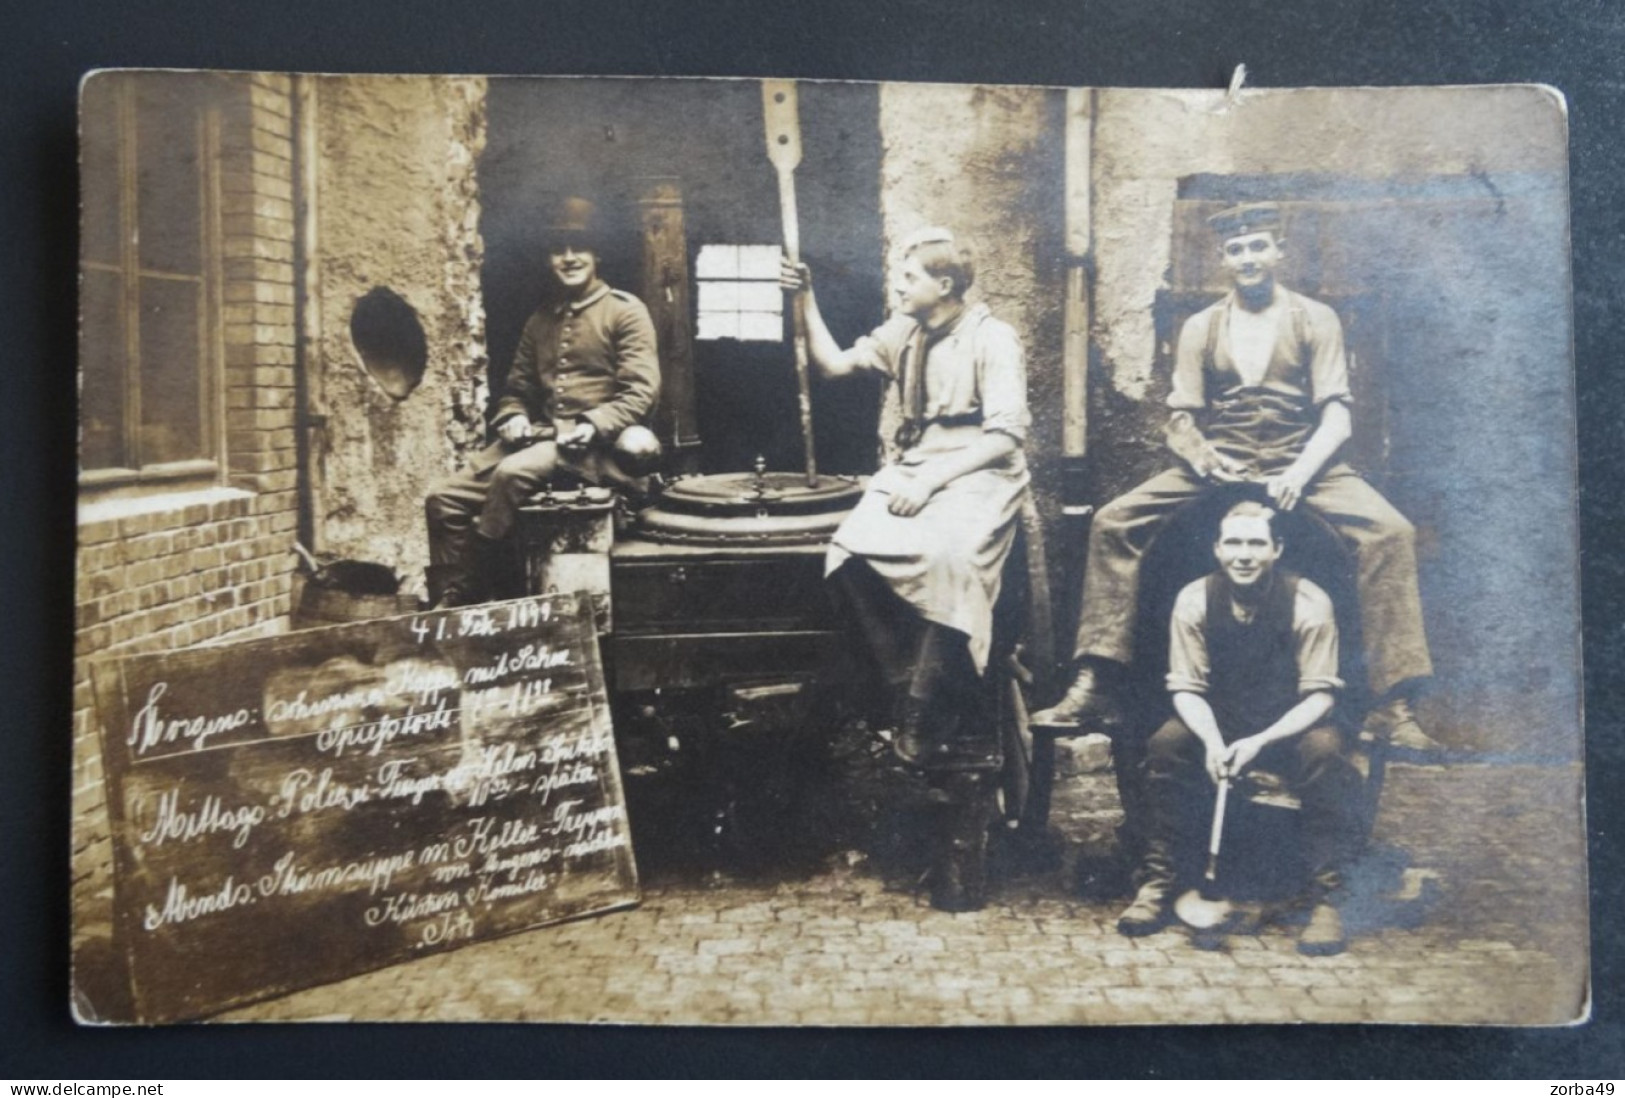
x: 482, y: 774
x: 516, y: 701
x: 503, y: 859
x: 375, y: 789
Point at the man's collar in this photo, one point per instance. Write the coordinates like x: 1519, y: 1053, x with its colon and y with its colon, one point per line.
x: 1278, y: 294
x: 953, y: 322
x: 593, y: 294
x: 1256, y: 598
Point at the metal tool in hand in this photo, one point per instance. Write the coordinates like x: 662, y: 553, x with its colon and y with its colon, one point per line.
x: 783, y: 125
x: 1202, y: 908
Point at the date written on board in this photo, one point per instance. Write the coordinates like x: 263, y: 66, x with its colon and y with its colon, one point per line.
x: 483, y: 621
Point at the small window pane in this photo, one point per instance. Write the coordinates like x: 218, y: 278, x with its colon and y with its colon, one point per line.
x: 718, y: 326
x: 719, y: 297
x: 761, y: 297
x: 171, y: 403
x: 717, y: 261
x: 761, y: 326
x: 168, y: 177
x: 759, y: 261
x: 101, y: 376
x: 98, y: 170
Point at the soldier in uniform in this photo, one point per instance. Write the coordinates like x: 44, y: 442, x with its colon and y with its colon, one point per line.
x: 920, y: 559
x: 1265, y: 371
x: 582, y: 386
x: 1253, y: 673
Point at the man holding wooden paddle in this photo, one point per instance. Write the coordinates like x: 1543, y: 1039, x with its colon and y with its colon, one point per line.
x: 920, y: 559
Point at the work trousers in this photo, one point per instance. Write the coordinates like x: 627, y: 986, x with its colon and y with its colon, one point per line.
x: 1382, y: 541
x: 914, y: 666
x: 484, y: 501
x: 1179, y: 795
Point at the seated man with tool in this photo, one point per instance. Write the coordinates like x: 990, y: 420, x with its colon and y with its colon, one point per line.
x: 920, y: 560
x: 1252, y: 666
x: 584, y: 380
x: 1264, y: 368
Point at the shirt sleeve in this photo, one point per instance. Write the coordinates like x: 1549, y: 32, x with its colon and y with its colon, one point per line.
x: 1002, y: 381
x: 522, y: 391
x: 1314, y: 631
x: 1190, y: 385
x: 882, y: 349
x: 1328, y: 362
x: 637, y: 371
x: 1188, y: 664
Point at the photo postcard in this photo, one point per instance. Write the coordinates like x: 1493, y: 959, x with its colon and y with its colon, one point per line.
x: 768, y: 552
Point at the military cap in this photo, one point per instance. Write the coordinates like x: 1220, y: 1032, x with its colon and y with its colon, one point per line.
x: 1249, y: 217
x: 572, y: 220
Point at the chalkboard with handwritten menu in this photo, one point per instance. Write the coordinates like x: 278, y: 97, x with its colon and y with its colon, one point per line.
x: 296, y: 809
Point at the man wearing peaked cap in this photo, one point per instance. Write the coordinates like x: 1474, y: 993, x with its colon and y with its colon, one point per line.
x: 1250, y: 217
x: 1260, y: 394
x: 583, y: 383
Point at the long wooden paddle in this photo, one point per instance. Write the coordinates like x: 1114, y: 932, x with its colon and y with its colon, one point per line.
x: 783, y: 125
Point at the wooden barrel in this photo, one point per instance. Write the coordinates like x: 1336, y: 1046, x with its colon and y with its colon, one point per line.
x: 320, y: 605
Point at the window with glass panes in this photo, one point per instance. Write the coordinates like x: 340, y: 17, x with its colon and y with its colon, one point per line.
x: 148, y: 334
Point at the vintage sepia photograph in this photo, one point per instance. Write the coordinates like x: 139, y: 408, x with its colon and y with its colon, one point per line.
x: 776, y: 552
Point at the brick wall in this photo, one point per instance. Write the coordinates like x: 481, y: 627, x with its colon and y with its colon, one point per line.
x: 168, y: 572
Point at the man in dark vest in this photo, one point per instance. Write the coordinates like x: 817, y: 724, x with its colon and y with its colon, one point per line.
x: 1252, y: 667
x: 583, y: 383
x: 1260, y: 393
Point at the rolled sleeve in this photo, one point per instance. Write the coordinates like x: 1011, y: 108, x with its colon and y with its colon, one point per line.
x: 1314, y: 629
x: 637, y: 372
x: 882, y: 349
x: 1189, y: 392
x: 1328, y: 362
x: 1188, y: 664
x: 1003, y: 381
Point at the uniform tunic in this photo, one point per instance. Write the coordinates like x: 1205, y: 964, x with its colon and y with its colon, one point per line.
x: 594, y: 360
x: 1263, y: 419
x: 947, y: 560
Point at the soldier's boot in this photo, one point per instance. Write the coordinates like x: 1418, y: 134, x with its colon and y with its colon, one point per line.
x: 1323, y: 935
x: 469, y: 577
x: 436, y: 578
x: 1089, y: 700
x: 1153, y: 905
x: 959, y: 877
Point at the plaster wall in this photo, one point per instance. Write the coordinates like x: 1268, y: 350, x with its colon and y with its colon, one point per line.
x: 987, y: 162
x: 397, y: 206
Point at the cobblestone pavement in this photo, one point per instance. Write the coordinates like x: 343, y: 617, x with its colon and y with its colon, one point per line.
x: 1488, y: 925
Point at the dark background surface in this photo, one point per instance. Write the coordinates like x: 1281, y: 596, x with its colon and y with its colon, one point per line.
x: 1577, y: 46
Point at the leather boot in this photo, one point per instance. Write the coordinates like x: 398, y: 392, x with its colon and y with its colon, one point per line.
x: 1394, y: 721
x: 959, y: 877
x: 1150, y: 910
x: 914, y: 739
x: 1088, y: 700
x: 1323, y: 935
x: 1152, y: 906
x: 966, y: 745
x: 436, y: 578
